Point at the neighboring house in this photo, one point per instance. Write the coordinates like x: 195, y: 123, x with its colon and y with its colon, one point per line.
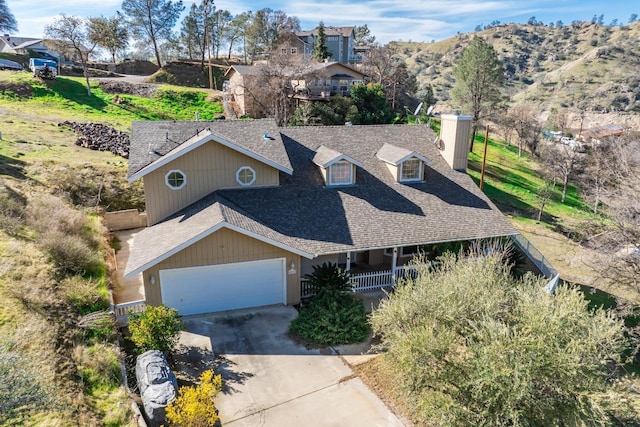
x: 239, y: 211
x: 598, y: 134
x: 306, y: 80
x: 340, y: 44
x: 23, y: 46
x: 240, y: 81
x: 326, y: 79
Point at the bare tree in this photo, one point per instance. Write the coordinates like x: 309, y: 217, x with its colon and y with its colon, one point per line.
x: 506, y: 126
x: 621, y: 241
x: 272, y: 88
x: 564, y: 161
x: 525, y: 124
x: 544, y: 194
x: 558, y: 120
x: 72, y: 33
x: 606, y: 166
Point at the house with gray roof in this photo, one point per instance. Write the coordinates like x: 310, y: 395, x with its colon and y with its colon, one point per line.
x: 249, y: 88
x: 239, y: 211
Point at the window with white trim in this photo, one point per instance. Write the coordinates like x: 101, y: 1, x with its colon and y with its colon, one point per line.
x: 341, y: 173
x: 175, y: 179
x: 411, y: 170
x: 245, y: 176
x: 294, y: 51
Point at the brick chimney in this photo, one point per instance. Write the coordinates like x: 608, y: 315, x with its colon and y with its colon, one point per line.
x: 454, y: 140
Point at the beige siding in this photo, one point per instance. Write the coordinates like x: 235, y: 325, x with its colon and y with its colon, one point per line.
x: 236, y: 85
x: 223, y: 247
x: 376, y: 257
x: 454, y: 135
x: 208, y: 168
x: 394, y: 170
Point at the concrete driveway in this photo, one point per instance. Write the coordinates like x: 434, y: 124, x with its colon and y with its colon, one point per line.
x: 272, y: 381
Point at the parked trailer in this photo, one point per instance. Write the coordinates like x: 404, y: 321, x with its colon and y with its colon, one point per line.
x: 43, y: 68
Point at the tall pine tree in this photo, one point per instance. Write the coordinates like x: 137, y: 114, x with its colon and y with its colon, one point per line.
x: 320, y: 50
x: 479, y: 79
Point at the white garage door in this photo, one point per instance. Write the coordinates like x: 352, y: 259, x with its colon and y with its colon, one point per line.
x: 224, y: 287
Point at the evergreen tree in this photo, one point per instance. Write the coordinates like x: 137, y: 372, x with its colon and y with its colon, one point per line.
x: 7, y: 20
x: 152, y: 20
x: 109, y: 33
x: 320, y: 50
x: 479, y: 79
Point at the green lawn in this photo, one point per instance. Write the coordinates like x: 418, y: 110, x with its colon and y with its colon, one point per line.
x: 66, y: 97
x: 512, y: 182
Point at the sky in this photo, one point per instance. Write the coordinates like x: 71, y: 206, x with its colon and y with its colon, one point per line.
x: 388, y: 20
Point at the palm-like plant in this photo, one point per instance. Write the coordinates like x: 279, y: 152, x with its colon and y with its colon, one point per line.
x: 329, y: 279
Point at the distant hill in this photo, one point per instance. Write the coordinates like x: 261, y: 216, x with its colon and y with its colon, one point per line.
x: 579, y: 67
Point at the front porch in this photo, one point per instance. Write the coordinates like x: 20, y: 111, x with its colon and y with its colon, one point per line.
x: 371, y: 280
x: 370, y: 270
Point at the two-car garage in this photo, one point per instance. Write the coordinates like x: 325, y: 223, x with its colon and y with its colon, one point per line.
x: 206, y: 289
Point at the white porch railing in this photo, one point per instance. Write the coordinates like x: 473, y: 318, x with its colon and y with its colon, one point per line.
x: 122, y: 311
x: 369, y: 281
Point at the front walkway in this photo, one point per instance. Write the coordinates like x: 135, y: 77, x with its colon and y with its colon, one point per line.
x: 126, y: 290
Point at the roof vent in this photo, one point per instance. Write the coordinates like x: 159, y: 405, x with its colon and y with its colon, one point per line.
x: 266, y: 136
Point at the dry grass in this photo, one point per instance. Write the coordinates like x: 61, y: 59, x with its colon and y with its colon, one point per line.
x: 575, y: 263
x: 380, y: 380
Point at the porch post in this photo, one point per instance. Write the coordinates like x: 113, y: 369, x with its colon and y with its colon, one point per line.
x: 348, y: 268
x: 394, y: 261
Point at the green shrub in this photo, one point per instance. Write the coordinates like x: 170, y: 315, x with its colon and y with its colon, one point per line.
x: 67, y: 237
x: 71, y: 255
x: 157, y: 328
x: 469, y: 344
x: 84, y: 295
x: 332, y: 319
x: 98, y: 366
x: 20, y: 389
x: 328, y: 278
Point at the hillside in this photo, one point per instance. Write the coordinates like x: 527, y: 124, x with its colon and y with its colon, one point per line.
x: 582, y: 66
x: 59, y: 361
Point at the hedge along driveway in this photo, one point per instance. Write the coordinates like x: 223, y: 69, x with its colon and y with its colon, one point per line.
x: 270, y: 380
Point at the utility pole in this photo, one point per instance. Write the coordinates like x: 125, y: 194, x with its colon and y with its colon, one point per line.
x: 208, y: 40
x: 484, y: 157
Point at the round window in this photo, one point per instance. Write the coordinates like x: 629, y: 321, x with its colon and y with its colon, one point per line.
x: 245, y: 176
x: 175, y: 179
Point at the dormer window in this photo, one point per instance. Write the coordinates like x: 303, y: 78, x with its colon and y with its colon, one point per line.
x: 337, y: 169
x: 341, y: 173
x: 406, y: 166
x: 411, y: 170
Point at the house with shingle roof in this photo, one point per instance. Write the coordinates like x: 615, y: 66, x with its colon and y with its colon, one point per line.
x: 247, y: 86
x: 239, y: 211
x: 40, y: 47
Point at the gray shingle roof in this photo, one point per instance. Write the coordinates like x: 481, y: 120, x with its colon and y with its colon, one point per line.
x: 396, y: 155
x: 326, y: 156
x: 377, y: 212
x: 150, y: 141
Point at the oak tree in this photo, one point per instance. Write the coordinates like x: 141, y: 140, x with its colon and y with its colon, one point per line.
x: 153, y: 20
x: 72, y: 34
